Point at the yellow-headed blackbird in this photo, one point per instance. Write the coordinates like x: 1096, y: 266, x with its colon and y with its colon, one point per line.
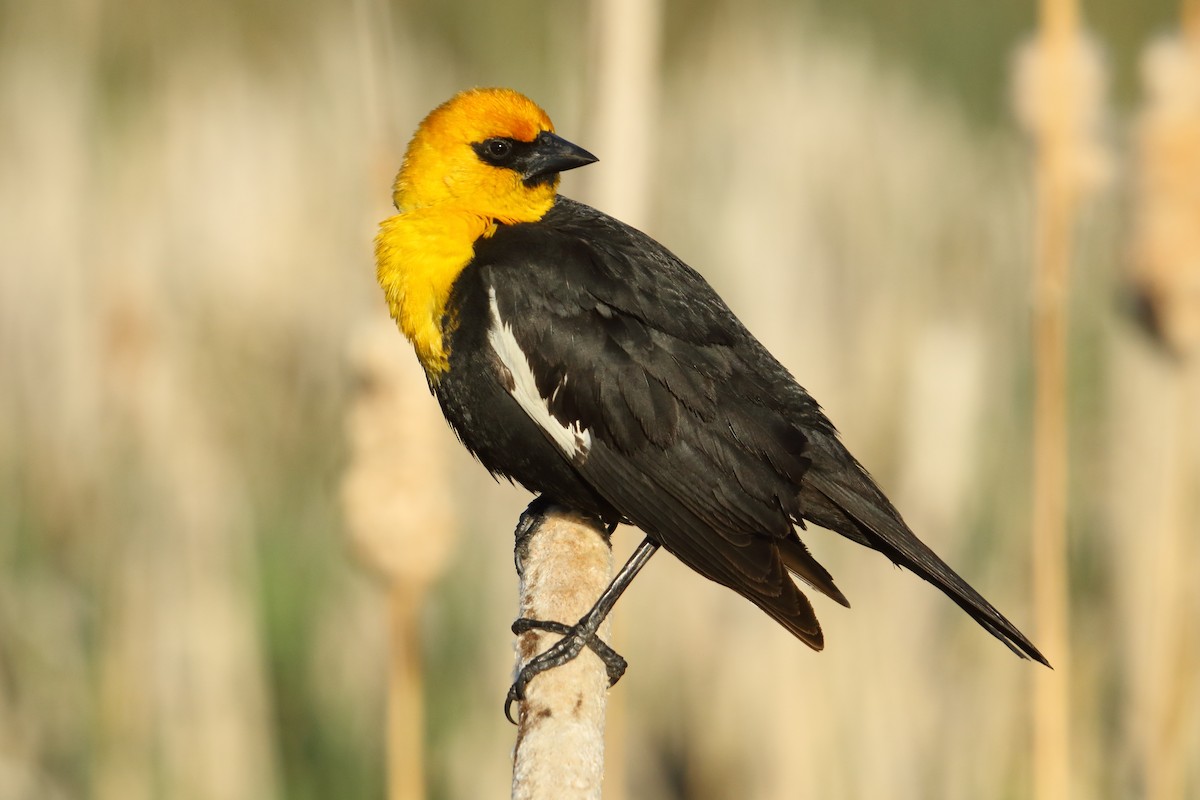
x: 579, y: 357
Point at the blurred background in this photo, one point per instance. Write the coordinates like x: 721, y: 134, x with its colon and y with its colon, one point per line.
x: 234, y: 530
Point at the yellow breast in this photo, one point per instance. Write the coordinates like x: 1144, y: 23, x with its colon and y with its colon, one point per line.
x: 418, y: 256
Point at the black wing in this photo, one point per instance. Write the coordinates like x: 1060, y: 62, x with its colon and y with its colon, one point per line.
x: 699, y: 436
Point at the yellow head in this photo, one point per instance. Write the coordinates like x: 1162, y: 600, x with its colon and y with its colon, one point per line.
x: 489, y: 152
x: 485, y: 157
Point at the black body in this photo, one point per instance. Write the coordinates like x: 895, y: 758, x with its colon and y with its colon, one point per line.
x: 700, y: 437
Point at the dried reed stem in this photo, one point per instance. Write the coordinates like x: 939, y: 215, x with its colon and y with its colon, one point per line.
x: 625, y: 86
x: 1163, y: 756
x: 1050, y: 571
x: 1167, y: 275
x: 1059, y: 100
x: 565, y: 562
x: 405, y: 700
x: 1166, y: 254
x: 398, y: 517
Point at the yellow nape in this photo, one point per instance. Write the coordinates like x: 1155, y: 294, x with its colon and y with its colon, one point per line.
x: 448, y: 197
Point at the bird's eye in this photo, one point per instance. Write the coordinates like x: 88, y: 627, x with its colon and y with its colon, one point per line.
x: 497, y: 150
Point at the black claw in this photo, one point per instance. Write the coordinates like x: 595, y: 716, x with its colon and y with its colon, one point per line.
x: 614, y: 665
x: 513, y: 696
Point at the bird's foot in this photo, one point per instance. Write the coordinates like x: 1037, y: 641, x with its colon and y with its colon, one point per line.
x: 614, y: 664
x: 575, y: 638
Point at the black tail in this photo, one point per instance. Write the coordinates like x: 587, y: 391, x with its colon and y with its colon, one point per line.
x: 845, y: 499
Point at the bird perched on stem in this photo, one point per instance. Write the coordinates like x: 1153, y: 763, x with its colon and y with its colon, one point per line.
x: 579, y: 357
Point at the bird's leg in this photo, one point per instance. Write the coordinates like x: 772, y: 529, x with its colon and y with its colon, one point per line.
x: 582, y: 633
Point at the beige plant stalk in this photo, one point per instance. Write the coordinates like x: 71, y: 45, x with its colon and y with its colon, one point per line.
x: 1166, y: 257
x: 399, y: 518
x: 565, y: 562
x: 1166, y: 276
x: 1060, y: 99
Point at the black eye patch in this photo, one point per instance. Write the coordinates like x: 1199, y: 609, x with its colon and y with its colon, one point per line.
x: 501, y: 151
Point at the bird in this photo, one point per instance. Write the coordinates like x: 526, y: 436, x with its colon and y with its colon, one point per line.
x: 575, y: 355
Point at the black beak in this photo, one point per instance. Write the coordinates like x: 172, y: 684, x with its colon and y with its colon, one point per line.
x: 551, y: 155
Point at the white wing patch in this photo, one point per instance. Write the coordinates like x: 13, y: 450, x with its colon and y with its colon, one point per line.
x: 573, y: 440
